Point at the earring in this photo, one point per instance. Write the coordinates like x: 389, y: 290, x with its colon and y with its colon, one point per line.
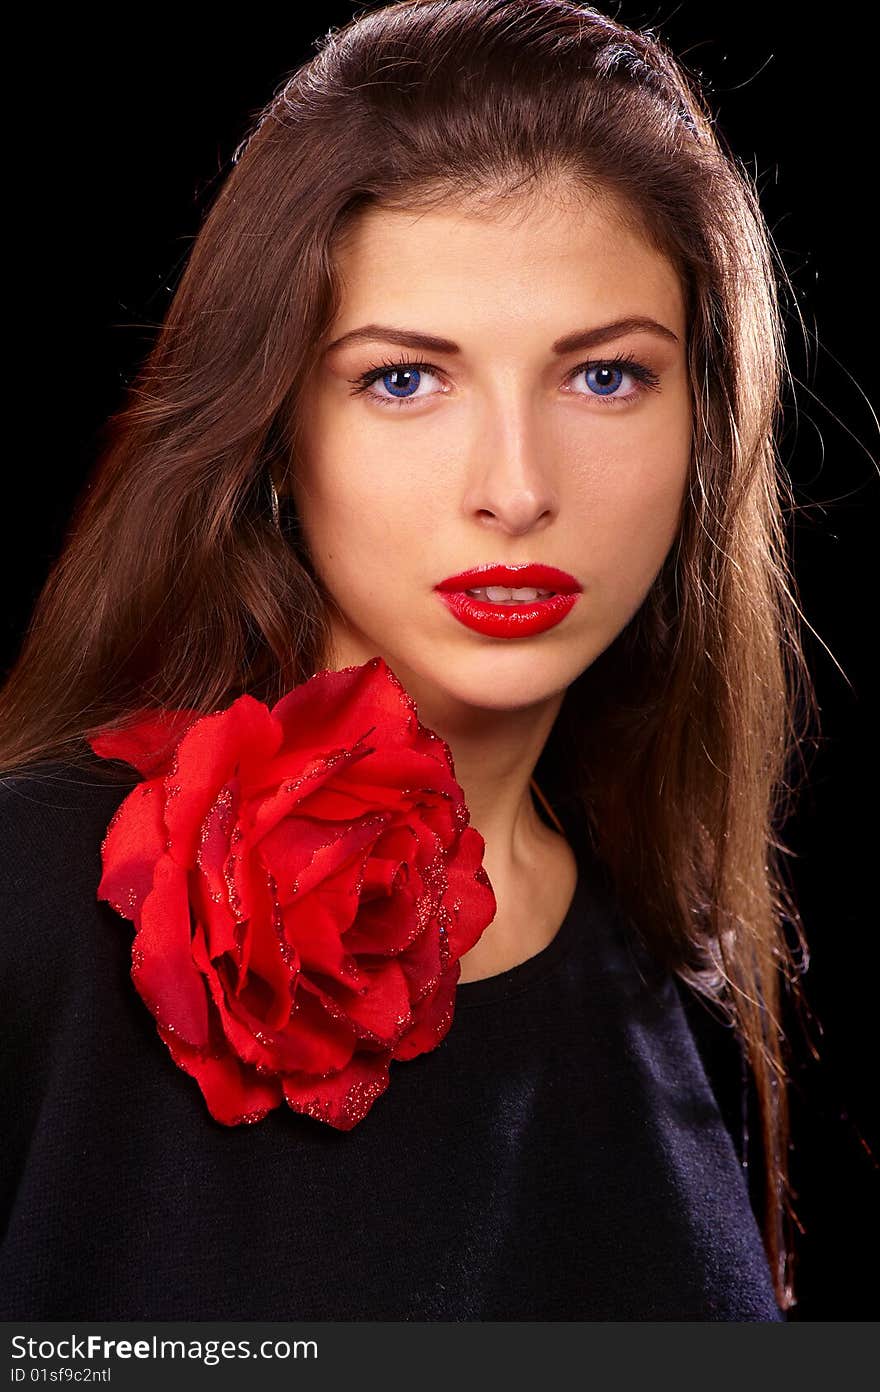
x: 276, y: 510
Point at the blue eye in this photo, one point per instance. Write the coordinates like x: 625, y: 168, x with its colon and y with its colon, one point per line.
x: 400, y: 379
x: 403, y: 389
x: 604, y: 378
x: 612, y: 370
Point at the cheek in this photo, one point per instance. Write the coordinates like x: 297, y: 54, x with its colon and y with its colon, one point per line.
x: 354, y: 489
x: 362, y: 515
x: 362, y: 506
x: 633, y: 507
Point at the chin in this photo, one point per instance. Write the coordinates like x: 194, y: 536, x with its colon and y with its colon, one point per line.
x: 486, y: 689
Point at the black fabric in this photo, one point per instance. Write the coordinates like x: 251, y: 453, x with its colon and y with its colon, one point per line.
x: 559, y: 1156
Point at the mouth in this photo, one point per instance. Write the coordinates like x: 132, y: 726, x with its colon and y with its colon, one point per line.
x: 528, y: 583
x: 502, y: 601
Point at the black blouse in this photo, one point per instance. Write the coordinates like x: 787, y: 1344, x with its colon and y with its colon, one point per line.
x: 559, y: 1156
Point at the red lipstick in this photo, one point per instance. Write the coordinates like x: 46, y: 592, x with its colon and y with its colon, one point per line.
x: 511, y: 618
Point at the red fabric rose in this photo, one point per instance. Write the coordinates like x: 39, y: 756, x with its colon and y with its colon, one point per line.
x: 303, y: 881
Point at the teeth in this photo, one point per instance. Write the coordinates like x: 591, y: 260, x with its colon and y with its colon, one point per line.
x: 498, y: 594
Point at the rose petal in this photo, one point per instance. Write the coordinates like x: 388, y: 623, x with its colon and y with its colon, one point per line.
x: 445, y: 818
x: 469, y: 900
x: 404, y: 775
x: 219, y: 830
x: 207, y: 757
x: 221, y: 927
x: 389, y: 926
x: 314, y: 923
x: 389, y: 861
x: 147, y: 741
x: 339, y: 846
x: 424, y: 960
x: 234, y: 1092
x: 288, y: 787
x: 313, y: 1040
x: 380, y: 1011
x: 432, y: 1018
x: 134, y: 841
x: 339, y: 708
x: 290, y: 848
x: 269, y: 955
x: 339, y: 799
x: 344, y: 1098
x: 162, y: 959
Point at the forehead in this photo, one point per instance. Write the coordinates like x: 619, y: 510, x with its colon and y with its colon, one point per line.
x: 557, y: 250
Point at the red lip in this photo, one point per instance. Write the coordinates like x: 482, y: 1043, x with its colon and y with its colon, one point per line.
x: 539, y: 577
x: 512, y: 620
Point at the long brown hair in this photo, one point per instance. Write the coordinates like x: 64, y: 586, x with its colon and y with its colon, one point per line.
x: 174, y: 587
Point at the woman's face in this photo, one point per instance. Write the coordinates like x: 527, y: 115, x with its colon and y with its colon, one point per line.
x: 505, y: 444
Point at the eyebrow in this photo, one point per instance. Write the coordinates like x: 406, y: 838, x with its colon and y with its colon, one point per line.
x: 569, y: 343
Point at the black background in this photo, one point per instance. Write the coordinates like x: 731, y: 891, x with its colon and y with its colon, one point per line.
x: 117, y: 140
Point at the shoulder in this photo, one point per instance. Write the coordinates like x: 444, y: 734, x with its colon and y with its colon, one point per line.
x: 62, y: 953
x: 54, y: 808
x: 53, y: 819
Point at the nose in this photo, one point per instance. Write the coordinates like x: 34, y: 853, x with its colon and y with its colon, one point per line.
x: 510, y: 484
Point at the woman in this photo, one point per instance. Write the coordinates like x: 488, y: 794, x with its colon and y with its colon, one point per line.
x: 483, y: 308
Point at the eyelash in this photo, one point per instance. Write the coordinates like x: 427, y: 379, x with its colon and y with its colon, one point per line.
x: 647, y: 379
